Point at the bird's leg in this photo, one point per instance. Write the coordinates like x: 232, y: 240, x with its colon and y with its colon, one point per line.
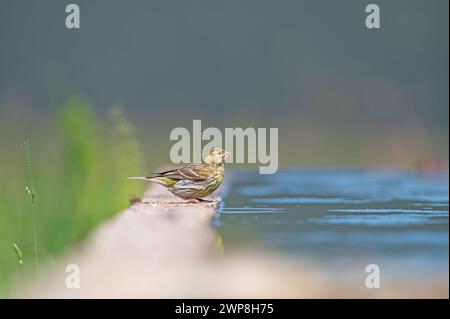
x: 199, y: 201
x: 205, y: 200
x: 194, y: 201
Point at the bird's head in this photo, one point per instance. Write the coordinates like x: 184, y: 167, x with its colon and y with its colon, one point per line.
x: 216, y: 156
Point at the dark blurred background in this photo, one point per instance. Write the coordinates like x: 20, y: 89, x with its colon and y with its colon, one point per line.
x: 339, y: 93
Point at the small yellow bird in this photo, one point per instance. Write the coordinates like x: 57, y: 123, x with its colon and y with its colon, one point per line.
x: 194, y: 181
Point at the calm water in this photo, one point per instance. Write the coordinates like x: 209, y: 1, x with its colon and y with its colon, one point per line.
x: 388, y: 217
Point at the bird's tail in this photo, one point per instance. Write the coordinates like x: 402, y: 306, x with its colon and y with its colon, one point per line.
x: 142, y: 178
x: 164, y: 181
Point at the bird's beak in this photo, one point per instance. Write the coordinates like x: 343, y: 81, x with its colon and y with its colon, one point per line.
x: 226, y: 155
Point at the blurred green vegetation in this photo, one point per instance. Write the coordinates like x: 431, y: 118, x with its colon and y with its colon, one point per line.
x: 80, y: 163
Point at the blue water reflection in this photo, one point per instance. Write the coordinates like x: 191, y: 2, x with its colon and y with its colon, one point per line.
x: 332, y: 215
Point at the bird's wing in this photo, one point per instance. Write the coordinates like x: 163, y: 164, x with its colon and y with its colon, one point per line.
x: 197, y: 172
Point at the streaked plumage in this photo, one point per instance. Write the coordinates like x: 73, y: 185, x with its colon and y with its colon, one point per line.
x: 194, y: 181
